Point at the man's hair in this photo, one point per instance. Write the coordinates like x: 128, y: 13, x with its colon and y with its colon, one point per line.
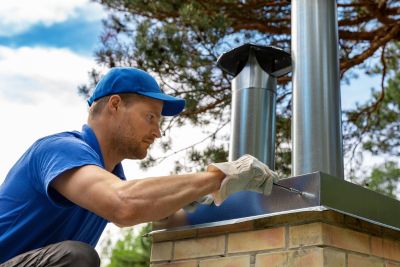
x: 98, y: 105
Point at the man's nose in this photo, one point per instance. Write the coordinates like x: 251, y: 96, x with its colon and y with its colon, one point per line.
x: 157, y: 132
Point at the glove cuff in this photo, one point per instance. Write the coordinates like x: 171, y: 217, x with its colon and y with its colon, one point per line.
x: 227, y: 168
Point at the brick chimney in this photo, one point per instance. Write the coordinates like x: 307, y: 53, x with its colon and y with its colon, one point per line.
x: 301, y: 239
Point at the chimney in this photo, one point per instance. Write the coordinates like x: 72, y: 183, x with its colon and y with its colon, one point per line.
x: 331, y: 222
x: 316, y: 122
x: 255, y: 69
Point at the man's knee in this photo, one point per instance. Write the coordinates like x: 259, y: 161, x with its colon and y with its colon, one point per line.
x: 63, y: 254
x: 80, y: 254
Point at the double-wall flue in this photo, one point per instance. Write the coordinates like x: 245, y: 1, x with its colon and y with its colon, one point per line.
x: 255, y: 69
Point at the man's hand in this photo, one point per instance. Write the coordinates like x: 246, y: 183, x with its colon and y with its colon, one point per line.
x: 245, y: 173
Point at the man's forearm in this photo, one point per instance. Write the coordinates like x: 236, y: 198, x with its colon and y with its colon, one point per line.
x: 131, y: 202
x: 155, y: 198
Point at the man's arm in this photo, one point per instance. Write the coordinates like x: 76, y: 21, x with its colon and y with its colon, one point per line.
x: 131, y: 202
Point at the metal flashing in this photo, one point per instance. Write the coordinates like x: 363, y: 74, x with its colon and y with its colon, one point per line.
x: 322, y: 192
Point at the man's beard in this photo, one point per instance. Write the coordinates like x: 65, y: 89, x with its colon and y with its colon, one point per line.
x: 134, y: 150
x: 130, y: 148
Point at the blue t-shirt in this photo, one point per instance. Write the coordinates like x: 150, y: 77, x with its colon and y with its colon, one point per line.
x: 32, y: 213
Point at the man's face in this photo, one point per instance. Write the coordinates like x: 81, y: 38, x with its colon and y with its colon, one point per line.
x: 139, y: 127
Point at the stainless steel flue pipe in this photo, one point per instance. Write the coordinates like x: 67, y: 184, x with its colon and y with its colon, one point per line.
x: 255, y: 69
x: 316, y: 122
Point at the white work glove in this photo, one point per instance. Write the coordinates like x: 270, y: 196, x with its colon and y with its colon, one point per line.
x: 205, y: 200
x: 245, y: 173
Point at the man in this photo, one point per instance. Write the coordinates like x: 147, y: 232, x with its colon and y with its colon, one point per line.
x: 59, y: 196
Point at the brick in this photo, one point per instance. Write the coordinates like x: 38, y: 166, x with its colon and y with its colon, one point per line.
x: 390, y: 233
x: 237, y: 261
x: 272, y: 221
x: 192, y: 263
x: 390, y: 264
x: 333, y: 217
x: 391, y: 249
x: 306, y: 235
x: 161, y: 251
x: 327, y: 216
x: 362, y: 225
x: 363, y: 261
x: 278, y: 259
x: 325, y: 234
x: 297, y: 217
x: 306, y: 257
x: 318, y: 257
x: 201, y: 247
x: 346, y: 239
x: 256, y: 240
x: 376, y: 246
x: 171, y: 235
x: 334, y: 258
x: 224, y: 229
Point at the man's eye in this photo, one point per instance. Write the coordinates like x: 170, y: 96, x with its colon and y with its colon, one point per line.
x: 150, y: 117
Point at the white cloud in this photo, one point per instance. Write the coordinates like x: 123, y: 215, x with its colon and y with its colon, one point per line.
x: 38, y: 97
x: 23, y: 123
x: 26, y: 72
x: 17, y: 16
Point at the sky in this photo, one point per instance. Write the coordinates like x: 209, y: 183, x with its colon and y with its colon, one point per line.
x: 46, y: 51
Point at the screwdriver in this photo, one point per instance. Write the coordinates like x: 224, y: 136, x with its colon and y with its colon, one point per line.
x: 290, y: 189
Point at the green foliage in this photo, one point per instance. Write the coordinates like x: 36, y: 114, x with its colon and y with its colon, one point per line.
x: 383, y: 124
x: 132, y: 250
x: 384, y: 129
x: 203, y: 158
x: 375, y: 125
x: 384, y: 179
x: 180, y: 41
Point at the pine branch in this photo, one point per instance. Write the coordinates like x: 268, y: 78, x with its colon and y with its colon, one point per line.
x: 212, y: 135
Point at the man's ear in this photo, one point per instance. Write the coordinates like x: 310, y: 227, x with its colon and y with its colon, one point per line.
x: 114, y: 103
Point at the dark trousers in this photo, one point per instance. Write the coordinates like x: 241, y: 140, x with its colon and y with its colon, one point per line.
x: 63, y: 254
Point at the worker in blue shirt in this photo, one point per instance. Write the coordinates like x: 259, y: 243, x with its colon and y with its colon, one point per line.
x: 58, y: 197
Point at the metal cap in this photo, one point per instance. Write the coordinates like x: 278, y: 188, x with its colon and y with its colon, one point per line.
x: 272, y: 60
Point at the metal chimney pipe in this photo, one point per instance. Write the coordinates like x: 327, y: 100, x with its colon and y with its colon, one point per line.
x: 255, y: 69
x: 316, y: 123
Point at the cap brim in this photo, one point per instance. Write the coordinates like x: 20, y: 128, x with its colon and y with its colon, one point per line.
x: 172, y: 105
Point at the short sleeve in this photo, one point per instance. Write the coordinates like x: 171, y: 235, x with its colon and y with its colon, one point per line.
x: 56, y: 155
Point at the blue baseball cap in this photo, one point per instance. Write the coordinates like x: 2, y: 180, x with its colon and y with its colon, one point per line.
x: 131, y: 80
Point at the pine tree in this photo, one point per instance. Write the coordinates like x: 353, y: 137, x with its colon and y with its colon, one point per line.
x: 180, y: 41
